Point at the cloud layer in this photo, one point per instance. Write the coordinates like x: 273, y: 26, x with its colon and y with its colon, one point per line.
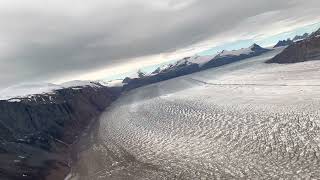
x: 44, y: 40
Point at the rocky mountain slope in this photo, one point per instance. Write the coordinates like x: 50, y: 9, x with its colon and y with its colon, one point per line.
x: 37, y: 131
x: 300, y: 51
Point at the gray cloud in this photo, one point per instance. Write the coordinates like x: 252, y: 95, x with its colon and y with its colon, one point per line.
x: 43, y: 40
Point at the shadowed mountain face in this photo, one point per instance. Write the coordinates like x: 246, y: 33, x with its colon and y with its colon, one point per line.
x: 36, y: 132
x: 300, y: 51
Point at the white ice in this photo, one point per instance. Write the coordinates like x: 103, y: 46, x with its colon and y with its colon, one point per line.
x: 13, y: 93
x: 246, y: 120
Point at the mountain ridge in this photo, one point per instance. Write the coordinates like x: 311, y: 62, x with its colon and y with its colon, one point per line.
x: 193, y: 64
x: 227, y: 57
x: 304, y: 50
x: 37, y: 130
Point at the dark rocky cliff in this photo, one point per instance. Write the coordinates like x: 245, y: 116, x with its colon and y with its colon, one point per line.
x: 36, y: 132
x: 304, y: 50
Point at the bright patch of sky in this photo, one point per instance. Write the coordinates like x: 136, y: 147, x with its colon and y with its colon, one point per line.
x: 266, y: 42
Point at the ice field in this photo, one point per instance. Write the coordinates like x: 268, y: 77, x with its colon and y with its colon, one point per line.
x: 246, y: 120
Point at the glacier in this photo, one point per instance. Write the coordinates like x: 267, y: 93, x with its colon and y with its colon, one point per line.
x: 245, y: 120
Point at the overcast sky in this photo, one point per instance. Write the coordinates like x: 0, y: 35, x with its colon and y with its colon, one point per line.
x: 59, y: 40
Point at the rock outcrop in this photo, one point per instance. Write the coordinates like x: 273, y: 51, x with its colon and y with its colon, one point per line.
x: 36, y: 132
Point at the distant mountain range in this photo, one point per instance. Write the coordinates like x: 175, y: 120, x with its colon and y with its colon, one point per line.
x: 193, y: 64
x: 197, y: 63
x: 303, y: 50
x: 289, y: 41
x: 227, y: 57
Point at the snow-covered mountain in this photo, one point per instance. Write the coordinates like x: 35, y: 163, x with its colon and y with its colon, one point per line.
x: 243, y: 51
x: 227, y: 57
x: 25, y: 90
x: 30, y: 90
x: 179, y: 64
x: 187, y: 61
x: 203, y: 61
x: 193, y: 64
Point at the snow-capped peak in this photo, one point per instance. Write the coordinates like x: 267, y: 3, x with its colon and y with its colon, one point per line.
x: 235, y: 52
x: 112, y: 83
x: 245, y: 51
x: 78, y: 83
x: 24, y: 90
x: 183, y: 62
x: 255, y: 47
x: 201, y: 60
x: 30, y: 89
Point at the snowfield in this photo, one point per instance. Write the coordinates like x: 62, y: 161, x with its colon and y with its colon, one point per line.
x: 27, y: 90
x: 246, y: 120
x: 13, y: 93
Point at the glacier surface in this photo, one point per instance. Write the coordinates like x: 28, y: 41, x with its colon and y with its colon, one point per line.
x: 247, y: 120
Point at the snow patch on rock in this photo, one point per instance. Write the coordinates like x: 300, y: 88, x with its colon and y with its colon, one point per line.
x: 24, y: 90
x: 28, y: 90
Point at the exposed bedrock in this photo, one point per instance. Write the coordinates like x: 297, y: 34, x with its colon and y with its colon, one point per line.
x: 36, y: 132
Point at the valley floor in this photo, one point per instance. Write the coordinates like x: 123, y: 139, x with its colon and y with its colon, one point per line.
x: 246, y: 120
